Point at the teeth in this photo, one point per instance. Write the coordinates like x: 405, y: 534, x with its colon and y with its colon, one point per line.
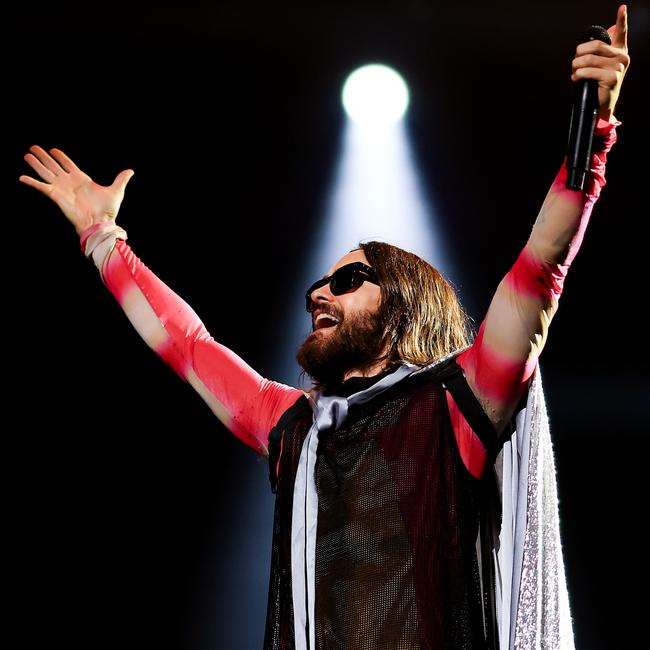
x: 328, y: 316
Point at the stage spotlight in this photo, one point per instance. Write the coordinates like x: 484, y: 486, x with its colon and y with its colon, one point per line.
x: 375, y: 95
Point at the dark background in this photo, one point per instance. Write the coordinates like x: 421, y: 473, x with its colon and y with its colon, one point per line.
x: 134, y: 519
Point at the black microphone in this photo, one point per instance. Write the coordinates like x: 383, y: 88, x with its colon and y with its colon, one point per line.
x: 583, y: 119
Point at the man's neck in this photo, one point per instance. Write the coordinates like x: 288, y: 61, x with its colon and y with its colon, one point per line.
x: 375, y: 368
x: 357, y: 380
x: 370, y: 371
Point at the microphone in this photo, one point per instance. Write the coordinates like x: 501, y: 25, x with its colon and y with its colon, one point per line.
x: 583, y: 119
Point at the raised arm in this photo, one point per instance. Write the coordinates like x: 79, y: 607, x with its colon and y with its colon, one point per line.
x: 506, y: 350
x: 244, y: 401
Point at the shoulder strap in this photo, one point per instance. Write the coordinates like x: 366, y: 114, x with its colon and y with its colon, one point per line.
x: 453, y: 379
x: 300, y: 407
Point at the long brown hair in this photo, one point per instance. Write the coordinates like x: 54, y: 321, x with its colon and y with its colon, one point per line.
x: 423, y: 317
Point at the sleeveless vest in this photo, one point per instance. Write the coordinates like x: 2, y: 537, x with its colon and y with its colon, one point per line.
x: 398, y: 519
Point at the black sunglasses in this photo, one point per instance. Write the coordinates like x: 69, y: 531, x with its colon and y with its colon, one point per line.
x: 348, y: 278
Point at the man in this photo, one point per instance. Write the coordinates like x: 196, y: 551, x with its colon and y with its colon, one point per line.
x: 383, y: 472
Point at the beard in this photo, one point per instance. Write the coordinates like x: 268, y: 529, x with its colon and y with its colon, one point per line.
x: 355, y: 344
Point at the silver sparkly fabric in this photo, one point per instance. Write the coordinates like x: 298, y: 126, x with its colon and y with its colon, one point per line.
x: 534, y: 611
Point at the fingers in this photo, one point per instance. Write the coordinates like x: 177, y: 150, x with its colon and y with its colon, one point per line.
x: 64, y: 161
x: 619, y: 31
x: 39, y: 167
x: 48, y: 167
x: 596, y: 54
x: 595, y: 61
x: 119, y: 184
x: 46, y: 188
x: 45, y: 159
x: 608, y: 78
x: 597, y: 47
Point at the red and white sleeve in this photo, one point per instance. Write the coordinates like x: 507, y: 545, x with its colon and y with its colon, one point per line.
x: 505, y: 353
x: 246, y: 403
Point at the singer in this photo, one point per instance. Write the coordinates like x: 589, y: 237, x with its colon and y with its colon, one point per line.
x: 395, y: 522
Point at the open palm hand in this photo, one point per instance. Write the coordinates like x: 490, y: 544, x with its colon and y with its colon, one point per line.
x: 83, y: 201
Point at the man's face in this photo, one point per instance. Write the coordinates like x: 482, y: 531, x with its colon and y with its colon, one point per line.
x: 364, y: 299
x: 346, y: 330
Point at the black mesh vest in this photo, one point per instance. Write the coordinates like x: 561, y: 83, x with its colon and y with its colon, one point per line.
x: 398, y: 516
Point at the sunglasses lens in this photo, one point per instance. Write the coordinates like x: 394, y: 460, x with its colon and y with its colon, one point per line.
x: 341, y: 281
x: 344, y: 280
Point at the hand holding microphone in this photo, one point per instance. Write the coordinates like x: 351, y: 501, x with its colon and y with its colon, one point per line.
x: 599, y: 67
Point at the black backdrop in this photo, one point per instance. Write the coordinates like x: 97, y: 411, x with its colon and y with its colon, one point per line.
x: 134, y: 518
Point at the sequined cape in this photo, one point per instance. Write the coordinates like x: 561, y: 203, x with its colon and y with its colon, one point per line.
x: 533, y: 609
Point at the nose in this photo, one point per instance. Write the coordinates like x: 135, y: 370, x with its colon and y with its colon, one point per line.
x: 320, y: 295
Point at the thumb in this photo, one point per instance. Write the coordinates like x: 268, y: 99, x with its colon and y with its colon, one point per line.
x: 618, y: 32
x: 121, y: 180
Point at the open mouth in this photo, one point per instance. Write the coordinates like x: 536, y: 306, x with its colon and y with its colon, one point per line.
x: 323, y: 321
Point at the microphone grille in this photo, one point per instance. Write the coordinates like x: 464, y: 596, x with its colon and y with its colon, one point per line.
x: 596, y: 33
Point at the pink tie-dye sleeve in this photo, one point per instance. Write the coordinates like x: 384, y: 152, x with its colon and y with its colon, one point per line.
x: 247, y: 404
x: 505, y: 353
